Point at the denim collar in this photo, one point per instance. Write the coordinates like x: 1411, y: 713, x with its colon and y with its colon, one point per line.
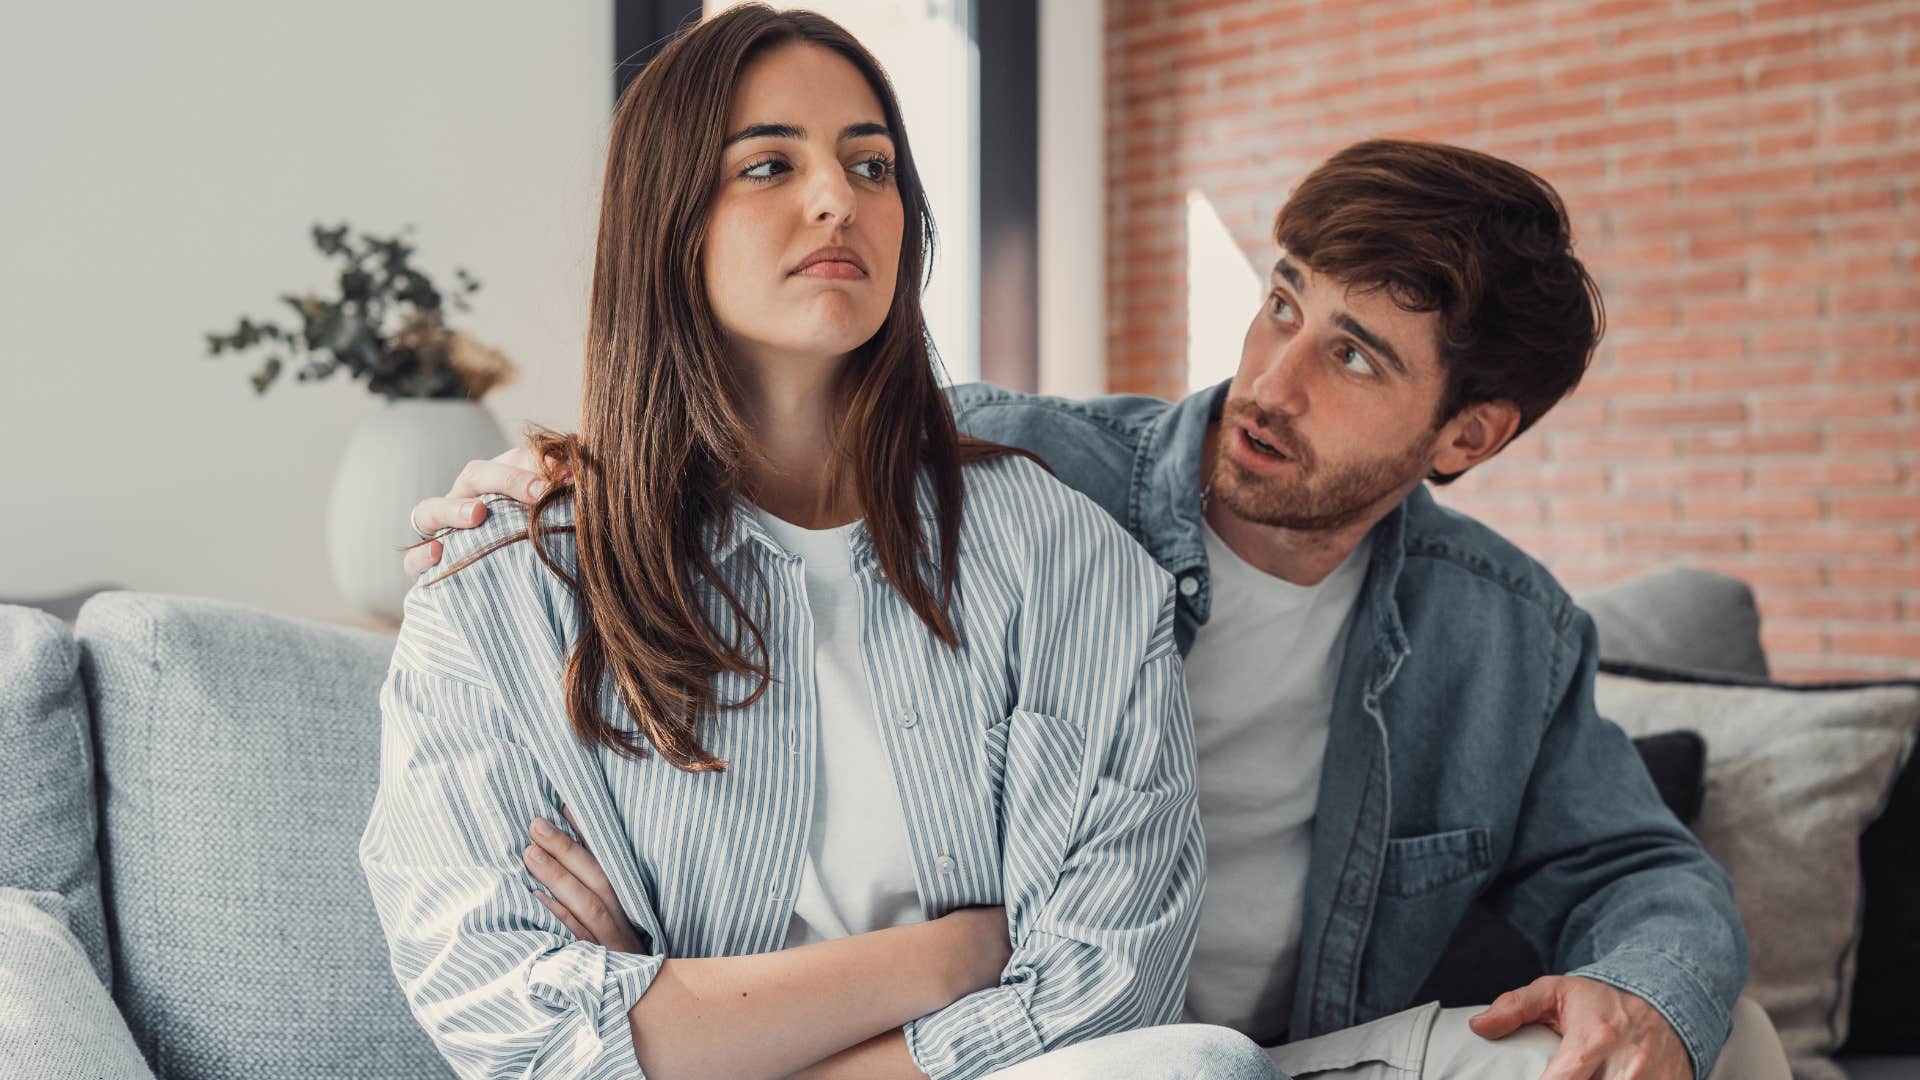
x: 1167, y: 484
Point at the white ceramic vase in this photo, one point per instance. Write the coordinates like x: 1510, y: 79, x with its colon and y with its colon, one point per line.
x: 406, y: 451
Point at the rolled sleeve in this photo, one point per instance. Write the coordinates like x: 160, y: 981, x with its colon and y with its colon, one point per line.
x: 496, y: 980
x: 1106, y: 945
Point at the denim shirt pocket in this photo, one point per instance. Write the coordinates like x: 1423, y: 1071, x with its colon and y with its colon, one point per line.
x: 1035, y: 763
x: 1418, y: 865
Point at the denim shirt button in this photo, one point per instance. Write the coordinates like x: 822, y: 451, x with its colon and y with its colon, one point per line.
x: 1189, y: 585
x: 1356, y: 888
x: 945, y: 863
x: 907, y: 716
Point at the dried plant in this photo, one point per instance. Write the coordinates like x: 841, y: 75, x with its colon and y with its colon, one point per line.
x: 387, y: 325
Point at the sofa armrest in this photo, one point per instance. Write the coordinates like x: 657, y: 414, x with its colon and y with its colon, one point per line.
x: 57, y: 1022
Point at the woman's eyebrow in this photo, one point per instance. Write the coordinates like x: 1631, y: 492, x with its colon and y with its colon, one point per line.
x: 789, y: 131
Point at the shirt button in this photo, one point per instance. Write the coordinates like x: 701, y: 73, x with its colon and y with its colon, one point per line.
x: 907, y: 716
x: 1356, y: 888
x: 1189, y: 585
x: 773, y: 891
x: 946, y: 864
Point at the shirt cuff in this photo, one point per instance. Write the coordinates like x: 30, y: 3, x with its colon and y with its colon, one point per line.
x: 984, y: 1031
x: 595, y: 988
x: 1672, y: 988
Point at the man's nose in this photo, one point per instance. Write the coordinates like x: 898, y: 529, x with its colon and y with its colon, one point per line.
x: 1282, y: 384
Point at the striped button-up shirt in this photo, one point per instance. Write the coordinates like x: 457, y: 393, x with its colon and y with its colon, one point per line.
x: 1047, y: 765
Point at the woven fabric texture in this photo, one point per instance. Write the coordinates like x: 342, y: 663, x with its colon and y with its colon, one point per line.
x: 1793, y: 778
x: 47, y: 798
x: 57, y: 1022
x: 238, y: 756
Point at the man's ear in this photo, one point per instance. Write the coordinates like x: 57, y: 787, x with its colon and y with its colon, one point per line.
x: 1475, y: 434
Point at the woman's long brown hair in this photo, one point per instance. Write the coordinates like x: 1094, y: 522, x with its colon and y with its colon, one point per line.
x: 663, y: 446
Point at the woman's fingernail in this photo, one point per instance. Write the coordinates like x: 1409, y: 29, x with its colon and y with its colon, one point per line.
x: 537, y: 855
x: 537, y: 488
x: 541, y: 828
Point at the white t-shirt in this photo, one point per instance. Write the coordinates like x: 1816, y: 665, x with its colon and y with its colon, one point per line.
x: 858, y: 874
x: 1261, y: 679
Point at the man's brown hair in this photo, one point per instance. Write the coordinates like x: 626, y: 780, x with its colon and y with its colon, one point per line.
x: 1483, y: 242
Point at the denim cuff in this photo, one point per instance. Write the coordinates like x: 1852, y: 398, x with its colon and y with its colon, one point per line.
x: 1676, y: 992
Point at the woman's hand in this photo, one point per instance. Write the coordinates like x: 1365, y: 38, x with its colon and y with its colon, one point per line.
x: 514, y: 473
x: 582, y: 897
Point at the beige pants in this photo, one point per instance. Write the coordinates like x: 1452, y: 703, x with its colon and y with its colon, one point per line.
x: 1431, y: 1043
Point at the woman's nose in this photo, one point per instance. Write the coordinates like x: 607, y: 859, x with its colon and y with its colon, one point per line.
x: 830, y: 197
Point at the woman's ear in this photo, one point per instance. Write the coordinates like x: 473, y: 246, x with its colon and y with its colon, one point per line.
x: 1475, y: 434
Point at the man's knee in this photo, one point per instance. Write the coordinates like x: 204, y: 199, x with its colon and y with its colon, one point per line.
x: 1170, y: 1052
x: 1454, y: 1051
x: 1753, y: 1049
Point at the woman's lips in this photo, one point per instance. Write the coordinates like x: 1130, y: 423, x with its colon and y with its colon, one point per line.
x: 831, y: 268
x: 834, y: 261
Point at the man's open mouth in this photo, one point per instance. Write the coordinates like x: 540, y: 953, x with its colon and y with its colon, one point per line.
x: 1264, y: 447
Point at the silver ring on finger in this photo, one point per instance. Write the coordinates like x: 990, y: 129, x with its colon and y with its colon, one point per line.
x: 417, y: 531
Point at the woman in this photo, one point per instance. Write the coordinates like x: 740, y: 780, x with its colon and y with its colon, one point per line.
x: 878, y: 733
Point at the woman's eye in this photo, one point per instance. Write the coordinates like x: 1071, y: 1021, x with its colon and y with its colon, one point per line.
x: 1355, y: 361
x: 875, y: 169
x: 764, y: 170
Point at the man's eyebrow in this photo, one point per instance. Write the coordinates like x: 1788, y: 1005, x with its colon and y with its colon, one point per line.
x: 789, y: 131
x: 1367, y: 337
x: 1287, y: 270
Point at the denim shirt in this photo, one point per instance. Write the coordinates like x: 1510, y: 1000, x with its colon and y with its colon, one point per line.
x: 1465, y: 758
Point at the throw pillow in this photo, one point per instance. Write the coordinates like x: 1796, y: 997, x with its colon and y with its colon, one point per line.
x: 57, y: 1022
x: 46, y: 740
x: 1794, y: 776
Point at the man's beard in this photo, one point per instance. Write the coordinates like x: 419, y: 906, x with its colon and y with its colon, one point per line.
x: 1315, y: 497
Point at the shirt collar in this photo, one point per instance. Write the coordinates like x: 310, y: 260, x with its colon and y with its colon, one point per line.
x: 1167, y: 488
x: 743, y: 529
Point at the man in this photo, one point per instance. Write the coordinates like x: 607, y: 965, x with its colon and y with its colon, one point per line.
x: 1393, y: 706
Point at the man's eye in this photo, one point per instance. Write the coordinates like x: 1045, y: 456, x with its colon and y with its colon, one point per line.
x: 1281, y: 307
x: 1356, y: 361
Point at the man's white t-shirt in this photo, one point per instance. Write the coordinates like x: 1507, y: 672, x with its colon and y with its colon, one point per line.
x: 1261, y: 679
x: 858, y: 875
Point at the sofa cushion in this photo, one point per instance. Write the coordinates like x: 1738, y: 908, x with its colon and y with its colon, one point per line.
x: 238, y: 759
x: 57, y: 1022
x: 1794, y: 777
x: 1680, y: 618
x: 47, y: 799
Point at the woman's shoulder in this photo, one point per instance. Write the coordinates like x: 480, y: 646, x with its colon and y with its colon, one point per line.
x: 491, y: 574
x: 1014, y: 502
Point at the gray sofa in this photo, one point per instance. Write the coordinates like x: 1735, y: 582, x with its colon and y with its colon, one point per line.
x: 188, y: 780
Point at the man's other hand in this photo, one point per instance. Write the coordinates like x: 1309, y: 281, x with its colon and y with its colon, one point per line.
x: 1604, y: 1032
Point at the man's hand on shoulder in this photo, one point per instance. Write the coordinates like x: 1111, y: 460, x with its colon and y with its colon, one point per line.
x: 514, y: 474
x: 1604, y: 1032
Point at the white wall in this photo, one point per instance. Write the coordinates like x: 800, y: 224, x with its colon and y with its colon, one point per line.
x: 163, y: 165
x: 1073, y: 221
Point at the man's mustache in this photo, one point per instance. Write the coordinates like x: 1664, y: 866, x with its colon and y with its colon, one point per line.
x: 1273, y: 428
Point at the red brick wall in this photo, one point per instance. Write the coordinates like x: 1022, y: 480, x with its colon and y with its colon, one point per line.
x: 1743, y: 177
